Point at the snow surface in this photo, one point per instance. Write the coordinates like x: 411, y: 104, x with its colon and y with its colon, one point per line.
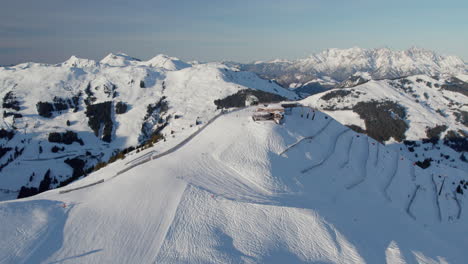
x: 307, y: 191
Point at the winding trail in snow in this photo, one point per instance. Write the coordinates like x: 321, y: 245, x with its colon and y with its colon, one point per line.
x: 81, y: 187
x: 364, y: 172
x: 413, y: 171
x: 392, y: 176
x: 305, y: 138
x: 330, y: 152
x: 442, y: 186
x: 408, y: 208
x: 50, y: 158
x: 376, y: 162
x: 348, y: 151
x: 436, y: 196
x: 458, y: 204
x: 140, y: 157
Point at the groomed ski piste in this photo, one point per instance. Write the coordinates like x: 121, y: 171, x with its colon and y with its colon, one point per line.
x: 240, y: 191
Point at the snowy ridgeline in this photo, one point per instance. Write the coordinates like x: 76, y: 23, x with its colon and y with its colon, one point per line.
x: 59, y: 121
x: 334, y: 67
x: 308, y: 190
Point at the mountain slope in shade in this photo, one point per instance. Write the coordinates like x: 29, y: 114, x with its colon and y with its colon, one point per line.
x: 425, y: 117
x: 340, y: 64
x: 58, y: 121
x: 306, y: 191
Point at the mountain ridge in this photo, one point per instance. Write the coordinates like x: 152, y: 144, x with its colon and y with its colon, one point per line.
x: 339, y: 64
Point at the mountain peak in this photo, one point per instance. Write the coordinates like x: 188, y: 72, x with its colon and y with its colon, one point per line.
x: 166, y: 62
x: 118, y: 59
x: 340, y: 64
x: 74, y: 61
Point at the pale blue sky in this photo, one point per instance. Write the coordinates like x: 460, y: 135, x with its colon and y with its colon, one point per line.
x: 241, y: 30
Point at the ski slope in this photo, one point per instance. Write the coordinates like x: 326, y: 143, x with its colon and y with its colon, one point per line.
x: 305, y: 191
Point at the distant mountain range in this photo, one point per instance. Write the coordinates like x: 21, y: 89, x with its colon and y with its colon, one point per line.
x: 329, y: 68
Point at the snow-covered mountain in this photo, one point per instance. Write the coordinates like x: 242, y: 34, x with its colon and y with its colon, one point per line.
x: 424, y: 117
x: 177, y: 171
x: 59, y: 121
x: 308, y: 190
x: 337, y: 65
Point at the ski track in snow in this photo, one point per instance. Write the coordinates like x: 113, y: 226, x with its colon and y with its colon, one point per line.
x: 413, y: 171
x: 436, y: 198
x: 330, y: 152
x: 459, y: 207
x: 408, y: 208
x: 376, y: 162
x: 305, y: 138
x: 81, y: 187
x: 348, y: 151
x: 392, y: 176
x: 142, y: 157
x: 363, y: 167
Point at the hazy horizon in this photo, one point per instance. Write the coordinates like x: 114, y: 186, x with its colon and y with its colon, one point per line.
x: 50, y: 31
x: 148, y: 57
